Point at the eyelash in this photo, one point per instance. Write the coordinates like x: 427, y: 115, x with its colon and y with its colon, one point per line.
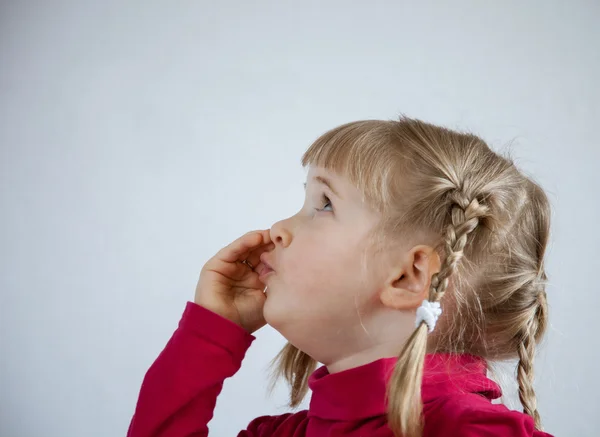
x: 324, y: 200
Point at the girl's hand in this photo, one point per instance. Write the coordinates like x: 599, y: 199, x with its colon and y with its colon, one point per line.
x: 231, y: 288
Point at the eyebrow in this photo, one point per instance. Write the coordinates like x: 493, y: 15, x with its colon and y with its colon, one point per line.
x: 326, y: 182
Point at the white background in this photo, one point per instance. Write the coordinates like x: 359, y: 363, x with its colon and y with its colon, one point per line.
x: 138, y: 138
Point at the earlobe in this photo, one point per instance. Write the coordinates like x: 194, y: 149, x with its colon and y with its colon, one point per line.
x: 397, y: 298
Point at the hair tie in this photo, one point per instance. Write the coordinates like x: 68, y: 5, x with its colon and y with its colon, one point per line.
x: 428, y: 312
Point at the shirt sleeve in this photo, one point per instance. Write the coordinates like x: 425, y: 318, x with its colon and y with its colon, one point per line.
x: 265, y: 426
x: 179, y: 391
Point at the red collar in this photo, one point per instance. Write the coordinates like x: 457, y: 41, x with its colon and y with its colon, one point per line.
x: 359, y: 392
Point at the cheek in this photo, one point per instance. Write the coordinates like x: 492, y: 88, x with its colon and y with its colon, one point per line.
x: 315, y: 287
x: 313, y: 268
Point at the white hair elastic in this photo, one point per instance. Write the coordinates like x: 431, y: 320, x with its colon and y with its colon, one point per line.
x: 428, y: 312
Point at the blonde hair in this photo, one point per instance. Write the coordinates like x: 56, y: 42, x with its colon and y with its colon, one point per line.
x: 488, y: 221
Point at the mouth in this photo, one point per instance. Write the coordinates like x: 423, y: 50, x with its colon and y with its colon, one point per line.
x: 263, y: 259
x: 266, y: 268
x: 264, y: 271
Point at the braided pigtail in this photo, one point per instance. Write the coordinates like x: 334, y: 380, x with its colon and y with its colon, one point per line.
x: 526, y: 351
x: 404, y: 390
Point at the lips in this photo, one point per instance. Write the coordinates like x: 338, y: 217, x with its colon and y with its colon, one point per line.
x: 265, y: 261
x: 264, y: 270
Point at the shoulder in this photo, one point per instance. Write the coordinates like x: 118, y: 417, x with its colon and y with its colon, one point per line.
x: 470, y: 415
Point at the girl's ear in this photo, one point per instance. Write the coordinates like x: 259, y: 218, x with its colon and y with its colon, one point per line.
x: 408, y: 283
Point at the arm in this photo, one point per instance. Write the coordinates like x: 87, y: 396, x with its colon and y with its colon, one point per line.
x: 179, y: 392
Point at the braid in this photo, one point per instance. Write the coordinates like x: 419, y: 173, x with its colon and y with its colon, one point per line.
x: 525, y: 377
x: 526, y: 351
x: 404, y: 391
x: 465, y: 218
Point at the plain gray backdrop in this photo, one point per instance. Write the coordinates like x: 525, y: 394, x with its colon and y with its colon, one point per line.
x: 138, y: 138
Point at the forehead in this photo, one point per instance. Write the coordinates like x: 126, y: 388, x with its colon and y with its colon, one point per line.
x: 314, y: 171
x: 340, y: 184
x: 318, y: 175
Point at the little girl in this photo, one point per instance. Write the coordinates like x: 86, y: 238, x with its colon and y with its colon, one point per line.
x: 417, y: 258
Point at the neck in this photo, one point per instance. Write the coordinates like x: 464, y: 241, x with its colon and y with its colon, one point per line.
x: 384, y: 339
x: 386, y: 350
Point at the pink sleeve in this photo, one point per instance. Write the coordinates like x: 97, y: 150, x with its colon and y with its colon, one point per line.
x: 179, y: 391
x: 265, y: 426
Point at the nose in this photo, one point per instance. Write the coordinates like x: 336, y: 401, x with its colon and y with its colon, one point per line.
x: 280, y: 233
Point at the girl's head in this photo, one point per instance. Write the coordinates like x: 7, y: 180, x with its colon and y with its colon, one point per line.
x: 397, y: 212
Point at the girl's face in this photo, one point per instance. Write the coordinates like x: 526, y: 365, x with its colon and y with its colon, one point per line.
x: 319, y: 297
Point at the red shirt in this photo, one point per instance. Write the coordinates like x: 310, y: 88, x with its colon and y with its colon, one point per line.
x: 180, y: 390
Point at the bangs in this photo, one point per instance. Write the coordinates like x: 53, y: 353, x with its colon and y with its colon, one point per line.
x: 362, y: 152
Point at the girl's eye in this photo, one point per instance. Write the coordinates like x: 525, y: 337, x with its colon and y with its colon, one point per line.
x: 324, y: 201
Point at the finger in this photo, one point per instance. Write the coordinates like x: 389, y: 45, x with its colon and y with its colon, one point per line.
x: 239, y: 249
x: 254, y: 256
